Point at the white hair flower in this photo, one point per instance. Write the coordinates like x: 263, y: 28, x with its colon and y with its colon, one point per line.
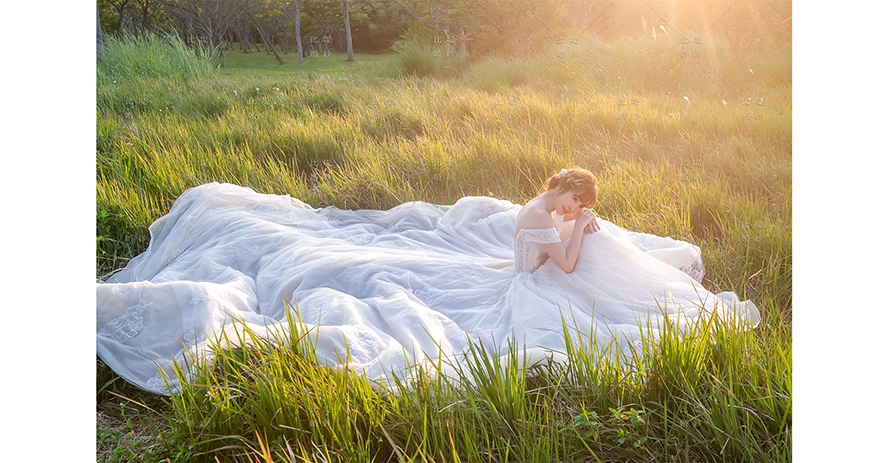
x: 570, y: 179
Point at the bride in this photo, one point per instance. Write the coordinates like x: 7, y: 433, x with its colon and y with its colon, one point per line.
x: 390, y: 290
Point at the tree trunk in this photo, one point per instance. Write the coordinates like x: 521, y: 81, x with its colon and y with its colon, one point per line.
x: 120, y: 9
x: 298, y: 34
x: 268, y: 45
x: 348, y: 30
x: 248, y: 42
x: 145, y: 6
x: 245, y: 41
x: 100, y: 38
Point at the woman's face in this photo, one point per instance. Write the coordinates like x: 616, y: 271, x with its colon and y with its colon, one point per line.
x: 567, y: 203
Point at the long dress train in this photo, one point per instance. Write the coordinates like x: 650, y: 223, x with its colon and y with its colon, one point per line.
x: 389, y: 288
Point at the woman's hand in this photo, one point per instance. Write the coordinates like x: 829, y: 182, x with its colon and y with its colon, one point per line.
x: 584, y: 218
x: 590, y: 227
x: 589, y: 218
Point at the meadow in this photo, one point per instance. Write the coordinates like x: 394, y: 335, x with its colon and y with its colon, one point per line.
x: 693, y: 143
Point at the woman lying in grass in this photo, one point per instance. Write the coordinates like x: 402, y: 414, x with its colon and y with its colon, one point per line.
x: 385, y: 291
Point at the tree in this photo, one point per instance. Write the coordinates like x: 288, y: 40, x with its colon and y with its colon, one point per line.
x: 387, y: 21
x: 514, y: 24
x: 242, y: 30
x: 298, y: 33
x: 147, y: 10
x: 210, y: 19
x: 348, y: 32
x: 524, y: 23
x: 296, y: 18
x: 119, y: 6
x: 252, y: 11
x: 132, y: 16
x: 100, y: 38
x: 327, y: 19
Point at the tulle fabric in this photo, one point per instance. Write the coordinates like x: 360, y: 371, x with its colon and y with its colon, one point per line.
x: 387, y: 290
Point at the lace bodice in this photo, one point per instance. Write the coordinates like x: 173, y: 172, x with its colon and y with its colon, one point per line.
x: 529, y: 252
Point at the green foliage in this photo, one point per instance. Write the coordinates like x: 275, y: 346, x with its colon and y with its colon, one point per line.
x: 117, y: 240
x: 417, y: 58
x: 420, y: 33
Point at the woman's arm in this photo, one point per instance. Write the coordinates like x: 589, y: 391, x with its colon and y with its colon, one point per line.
x: 591, y: 228
x: 566, y: 257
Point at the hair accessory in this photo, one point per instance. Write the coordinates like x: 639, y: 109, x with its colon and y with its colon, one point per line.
x: 570, y: 179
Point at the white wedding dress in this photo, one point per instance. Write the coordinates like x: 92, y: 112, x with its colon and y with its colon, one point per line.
x: 391, y: 289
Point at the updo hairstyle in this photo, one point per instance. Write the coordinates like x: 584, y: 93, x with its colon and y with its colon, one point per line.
x: 578, y: 180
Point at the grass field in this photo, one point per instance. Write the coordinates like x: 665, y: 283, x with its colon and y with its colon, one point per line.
x: 260, y: 63
x: 695, y: 148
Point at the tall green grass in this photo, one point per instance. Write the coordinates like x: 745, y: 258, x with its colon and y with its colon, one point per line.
x: 704, y: 169
x: 127, y: 59
x: 712, y: 393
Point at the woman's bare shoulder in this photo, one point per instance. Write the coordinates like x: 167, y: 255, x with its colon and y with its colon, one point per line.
x: 533, y: 216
